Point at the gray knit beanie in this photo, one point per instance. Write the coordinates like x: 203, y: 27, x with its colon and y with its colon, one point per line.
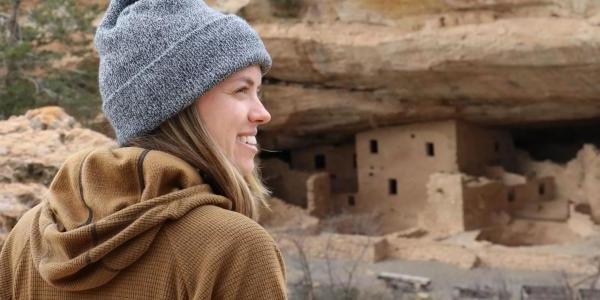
x: 158, y: 56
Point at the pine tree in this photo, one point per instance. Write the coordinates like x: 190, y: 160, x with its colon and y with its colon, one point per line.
x: 29, y: 38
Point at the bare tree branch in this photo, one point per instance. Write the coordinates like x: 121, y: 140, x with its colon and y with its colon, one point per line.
x: 35, y: 83
x: 14, y: 34
x: 305, y: 265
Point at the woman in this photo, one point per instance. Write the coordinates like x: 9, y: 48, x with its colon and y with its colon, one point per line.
x: 169, y: 216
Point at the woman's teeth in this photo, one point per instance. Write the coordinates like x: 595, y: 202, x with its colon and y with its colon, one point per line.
x: 251, y: 140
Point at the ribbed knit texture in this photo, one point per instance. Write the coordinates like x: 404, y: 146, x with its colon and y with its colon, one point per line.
x: 159, y: 56
x: 135, y: 224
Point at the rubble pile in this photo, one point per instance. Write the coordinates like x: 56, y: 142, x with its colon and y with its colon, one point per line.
x: 285, y: 217
x: 332, y: 246
x: 576, y: 180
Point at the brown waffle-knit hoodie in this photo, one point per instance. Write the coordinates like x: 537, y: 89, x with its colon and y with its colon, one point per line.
x: 129, y: 223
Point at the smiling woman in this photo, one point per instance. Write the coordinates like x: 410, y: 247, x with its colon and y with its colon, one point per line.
x: 169, y: 214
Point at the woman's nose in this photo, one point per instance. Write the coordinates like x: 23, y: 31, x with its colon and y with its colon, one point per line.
x: 259, y: 114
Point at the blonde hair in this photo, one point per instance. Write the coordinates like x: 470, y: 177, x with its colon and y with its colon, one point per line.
x: 186, y: 137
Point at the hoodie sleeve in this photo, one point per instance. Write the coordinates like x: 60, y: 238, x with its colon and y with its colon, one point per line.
x: 253, y: 268
x: 12, y: 252
x: 221, y: 254
x: 6, y: 270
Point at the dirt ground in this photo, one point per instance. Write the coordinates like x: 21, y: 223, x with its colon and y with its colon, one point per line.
x: 523, y: 252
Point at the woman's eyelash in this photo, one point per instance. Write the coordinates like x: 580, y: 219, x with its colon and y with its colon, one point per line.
x: 244, y: 89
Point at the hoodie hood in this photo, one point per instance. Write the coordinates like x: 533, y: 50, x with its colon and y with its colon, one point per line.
x: 104, y: 210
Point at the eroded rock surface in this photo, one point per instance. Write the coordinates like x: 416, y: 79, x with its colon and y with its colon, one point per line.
x: 32, y: 149
x: 15, y: 200
x: 33, y: 146
x: 228, y: 6
x: 342, y: 66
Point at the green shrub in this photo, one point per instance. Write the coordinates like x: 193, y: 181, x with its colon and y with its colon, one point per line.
x: 28, y: 78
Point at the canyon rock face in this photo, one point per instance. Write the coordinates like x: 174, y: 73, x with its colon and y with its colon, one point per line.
x: 32, y: 149
x: 33, y: 146
x: 342, y: 66
x: 228, y: 6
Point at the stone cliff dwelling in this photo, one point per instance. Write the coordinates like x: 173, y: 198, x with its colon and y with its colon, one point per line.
x: 447, y: 176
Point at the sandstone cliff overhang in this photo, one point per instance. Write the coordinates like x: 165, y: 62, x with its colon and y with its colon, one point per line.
x: 343, y: 77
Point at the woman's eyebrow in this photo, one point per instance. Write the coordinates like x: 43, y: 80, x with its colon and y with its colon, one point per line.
x: 247, y: 80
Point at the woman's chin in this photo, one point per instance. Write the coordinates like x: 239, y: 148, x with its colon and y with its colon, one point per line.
x: 246, y: 167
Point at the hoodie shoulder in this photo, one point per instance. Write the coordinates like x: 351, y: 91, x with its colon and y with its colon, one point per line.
x: 215, y: 246
x: 211, y: 224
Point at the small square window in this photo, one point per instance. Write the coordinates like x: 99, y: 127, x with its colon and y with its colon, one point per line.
x: 392, y: 187
x: 320, y: 162
x: 511, y: 196
x: 351, y: 201
x: 374, y: 146
x: 430, y: 148
x: 542, y: 189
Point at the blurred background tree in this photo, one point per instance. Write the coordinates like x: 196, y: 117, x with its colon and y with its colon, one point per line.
x: 46, y: 57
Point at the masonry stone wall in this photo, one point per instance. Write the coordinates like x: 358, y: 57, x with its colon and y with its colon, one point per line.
x: 394, y: 164
x: 286, y: 183
x: 478, y: 148
x: 339, y: 161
